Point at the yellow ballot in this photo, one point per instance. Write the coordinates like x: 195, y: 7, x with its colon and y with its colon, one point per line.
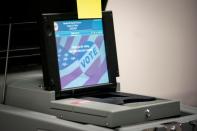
x: 89, y: 9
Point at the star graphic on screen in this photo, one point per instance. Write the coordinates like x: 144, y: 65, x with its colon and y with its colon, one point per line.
x: 65, y: 58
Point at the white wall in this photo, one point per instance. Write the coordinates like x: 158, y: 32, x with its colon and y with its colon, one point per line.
x: 157, y: 47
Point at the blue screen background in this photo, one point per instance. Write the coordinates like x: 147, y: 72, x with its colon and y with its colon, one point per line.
x: 81, y: 53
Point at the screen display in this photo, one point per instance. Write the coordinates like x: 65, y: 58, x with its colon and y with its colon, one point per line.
x: 81, y: 53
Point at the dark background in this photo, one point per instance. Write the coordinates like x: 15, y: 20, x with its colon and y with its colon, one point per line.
x: 25, y: 40
x: 29, y: 10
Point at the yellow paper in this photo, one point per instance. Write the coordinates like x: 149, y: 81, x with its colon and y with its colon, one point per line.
x: 89, y: 9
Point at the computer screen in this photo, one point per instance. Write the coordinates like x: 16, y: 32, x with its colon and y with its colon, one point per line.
x: 81, y: 53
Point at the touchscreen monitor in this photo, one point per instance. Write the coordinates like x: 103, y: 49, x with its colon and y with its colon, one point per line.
x: 81, y: 53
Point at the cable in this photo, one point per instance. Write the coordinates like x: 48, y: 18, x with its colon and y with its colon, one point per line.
x: 6, y: 65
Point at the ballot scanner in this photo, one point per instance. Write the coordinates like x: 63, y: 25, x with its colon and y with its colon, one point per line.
x: 81, y: 66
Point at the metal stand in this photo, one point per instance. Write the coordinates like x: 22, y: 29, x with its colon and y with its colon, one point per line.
x: 4, y: 82
x: 6, y: 65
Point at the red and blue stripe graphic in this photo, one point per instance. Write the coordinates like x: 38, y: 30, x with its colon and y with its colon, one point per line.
x: 82, y: 61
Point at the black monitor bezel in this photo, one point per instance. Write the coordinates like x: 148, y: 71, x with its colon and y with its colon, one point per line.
x: 51, y: 71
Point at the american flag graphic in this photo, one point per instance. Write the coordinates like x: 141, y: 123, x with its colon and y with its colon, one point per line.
x: 82, y: 60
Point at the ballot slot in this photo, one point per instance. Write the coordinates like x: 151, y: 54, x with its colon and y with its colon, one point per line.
x: 118, y: 98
